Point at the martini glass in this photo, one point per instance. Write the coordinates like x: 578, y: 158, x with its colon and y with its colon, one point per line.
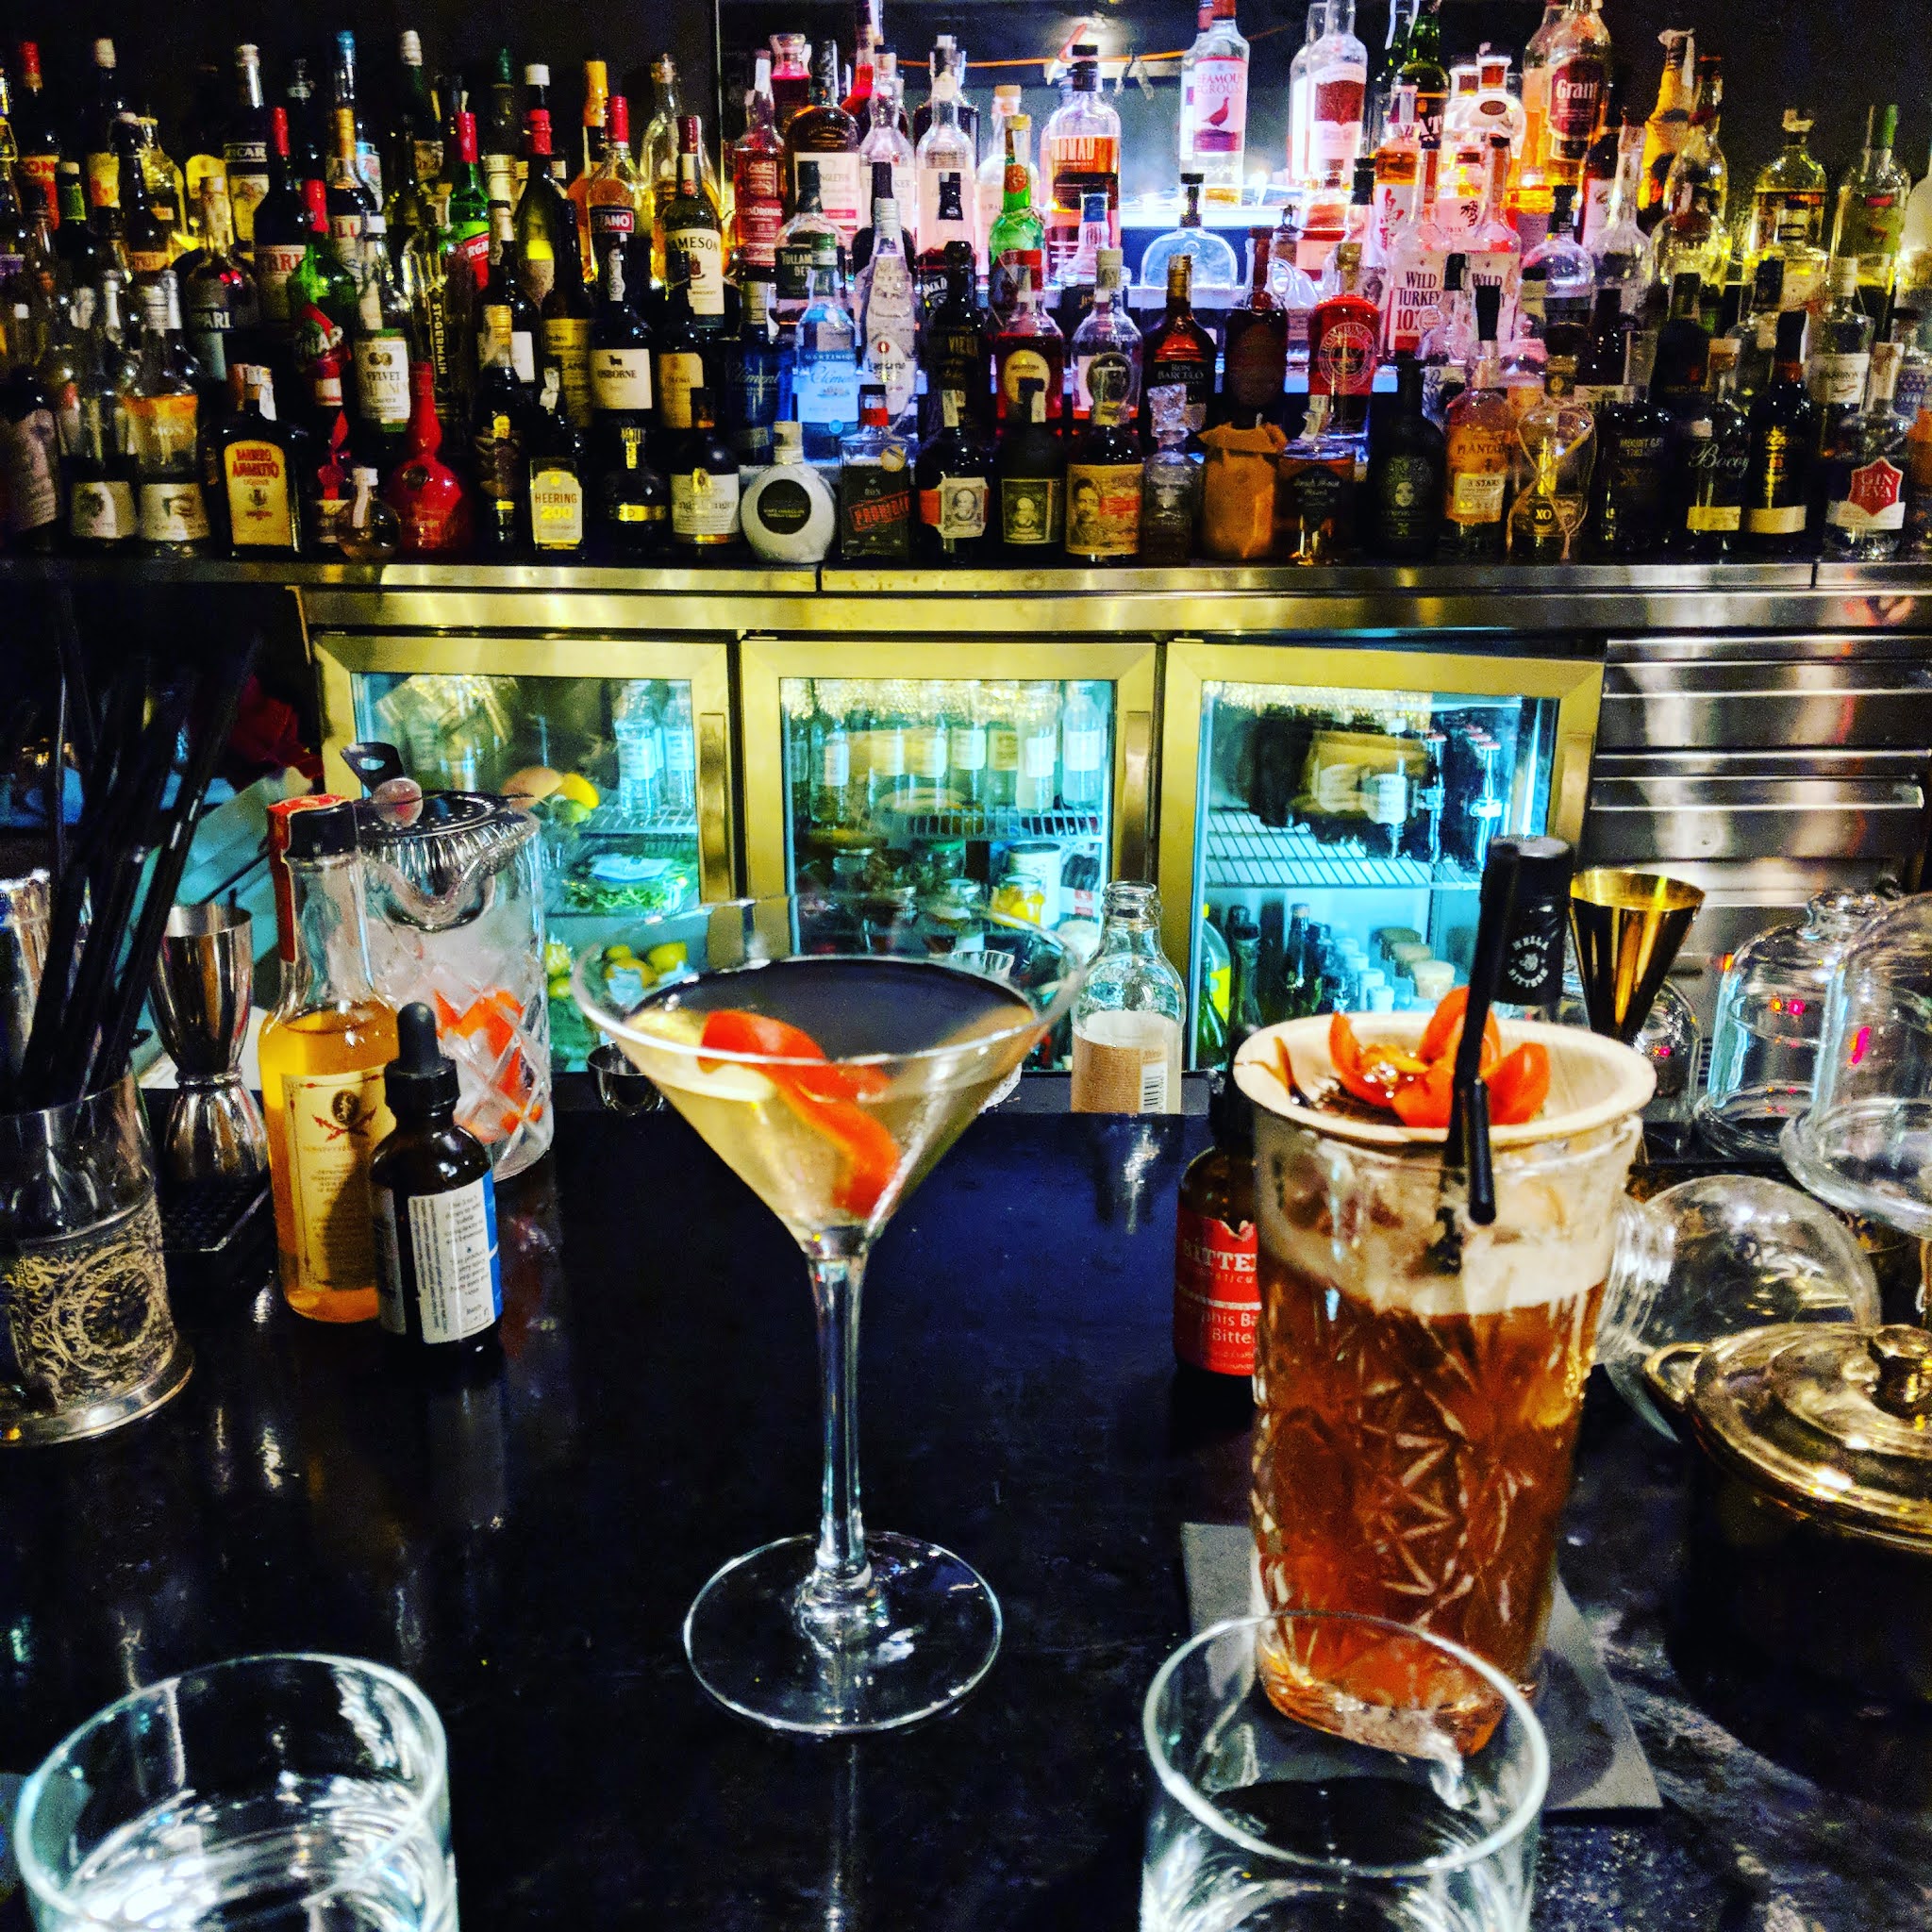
x: 830, y: 1050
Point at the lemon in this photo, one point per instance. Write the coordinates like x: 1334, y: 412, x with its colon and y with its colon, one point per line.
x: 619, y: 955
x: 579, y: 790
x: 557, y: 959
x: 671, y: 953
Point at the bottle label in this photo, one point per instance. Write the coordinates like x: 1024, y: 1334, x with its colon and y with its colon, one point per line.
x: 760, y: 204
x: 1873, y: 501
x: 172, y: 512
x: 1030, y: 511
x: 704, y: 508
x: 1576, y: 93
x: 966, y: 743
x: 839, y: 190
x: 1714, y: 516
x: 331, y: 1124
x: 1027, y: 365
x: 890, y: 340
x: 274, y: 262
x: 29, y: 471
x: 522, y: 357
x: 1838, y: 378
x: 257, y: 478
x: 1347, y: 348
x: 1476, y: 496
x: 1115, y: 367
x: 1415, y: 296
x: 557, y: 509
x: 1794, y: 215
x: 1776, y: 519
x: 102, y: 510
x: 567, y: 343
x: 782, y: 507
x: 874, y: 510
x: 621, y: 378
x: 1596, y: 208
x: 382, y: 380
x: 453, y: 1256
x: 1002, y: 748
x: 1405, y: 497
x: 955, y: 508
x: 1217, y: 1294
x: 1338, y: 93
x: 1221, y: 104
x: 1103, y: 512
x: 792, y: 283
x: 925, y: 752
x: 827, y: 388
x: 679, y: 372
x: 1037, y: 755
x: 702, y: 253
x: 611, y: 223
x: 835, y: 761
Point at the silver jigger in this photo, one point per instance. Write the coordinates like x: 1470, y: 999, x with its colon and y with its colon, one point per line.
x: 200, y: 998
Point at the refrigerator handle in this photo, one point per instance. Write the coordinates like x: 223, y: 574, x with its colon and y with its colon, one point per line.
x: 714, y: 807
x: 1564, y: 817
x: 1136, y: 750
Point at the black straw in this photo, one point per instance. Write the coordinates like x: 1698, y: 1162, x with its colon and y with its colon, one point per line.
x: 1468, y: 1144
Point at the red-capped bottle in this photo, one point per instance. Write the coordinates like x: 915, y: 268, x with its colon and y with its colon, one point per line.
x: 425, y: 492
x: 1344, y: 340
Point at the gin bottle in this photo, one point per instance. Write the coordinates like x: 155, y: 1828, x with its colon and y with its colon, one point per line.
x: 1865, y: 474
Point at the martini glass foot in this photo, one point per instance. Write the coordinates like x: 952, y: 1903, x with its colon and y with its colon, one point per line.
x: 912, y: 1645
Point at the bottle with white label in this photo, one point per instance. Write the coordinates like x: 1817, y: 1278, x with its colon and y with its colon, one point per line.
x: 1083, y: 749
x: 1127, y: 1020
x: 438, y: 1277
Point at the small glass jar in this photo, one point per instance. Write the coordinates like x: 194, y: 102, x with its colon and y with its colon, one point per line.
x: 1770, y: 1011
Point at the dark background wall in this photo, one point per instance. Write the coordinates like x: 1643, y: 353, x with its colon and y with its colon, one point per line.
x: 1830, y: 56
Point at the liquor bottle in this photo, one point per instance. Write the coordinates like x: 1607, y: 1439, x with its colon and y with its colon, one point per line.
x: 990, y: 186
x: 322, y: 1052
x: 955, y: 225
x: 1301, y: 117
x: 1179, y: 352
x: 955, y: 355
x: 867, y: 43
x: 628, y: 508
x: 1128, y: 1018
x: 1536, y: 91
x: 1628, y: 489
x: 1343, y: 335
x: 1031, y: 474
x: 323, y: 468
x: 381, y: 352
x: 953, y: 480
x: 615, y: 200
x: 100, y: 158
x: 1619, y: 245
x: 798, y: 248
x: 146, y: 238
x: 1787, y: 204
x: 888, y: 334
x: 161, y: 411
x: 1214, y: 103
x: 790, y: 77
x: 1256, y: 359
x: 218, y: 294
x: 1018, y: 234
x: 556, y: 471
x: 1579, y: 76
x: 350, y: 204
x: 1311, y: 519
x: 885, y: 140
x: 504, y: 289
x: 1214, y: 264
x: 1416, y: 256
x: 875, y: 485
x: 500, y: 439
x: 36, y: 137
x: 1912, y: 285
x: 1700, y: 161
x: 825, y: 369
x: 248, y: 144
x: 947, y: 56
x: 1840, y: 350
x: 596, y: 137
x: 683, y: 358
x: 1477, y: 448
x: 257, y: 473
x: 786, y: 513
x: 500, y: 134
x: 368, y: 162
x: 1692, y: 237
x: 1421, y: 69
x: 1683, y: 349
x: 1102, y: 486
x: 1107, y: 342
x: 426, y: 493
x: 753, y: 368
x: 704, y: 484
x: 1864, y: 473
x: 417, y: 125
x: 1784, y: 432
x: 543, y: 221
x: 1031, y: 348
x: 1713, y: 454
x: 1602, y: 164
x: 825, y: 133
x: 758, y: 176
x: 411, y: 227
x: 1869, y: 219
x: 102, y: 508
x: 283, y: 224
x: 694, y: 243
x: 536, y: 101
x: 1492, y: 249
x: 1338, y: 94
x: 466, y: 219
x: 1668, y: 125
x: 1080, y: 155
x: 944, y: 148
x: 1606, y: 352
x: 1169, y: 484
x: 1555, y: 294
x: 1448, y: 348
x: 30, y: 499
x: 1406, y: 472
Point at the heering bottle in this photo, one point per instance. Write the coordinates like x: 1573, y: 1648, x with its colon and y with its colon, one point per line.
x: 322, y: 1052
x: 1127, y: 1020
x: 440, y: 1281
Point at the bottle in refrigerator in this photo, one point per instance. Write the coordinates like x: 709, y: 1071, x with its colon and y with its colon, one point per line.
x: 1039, y: 748
x: 680, y: 752
x: 1128, y: 1018
x: 640, y: 750
x: 966, y: 745
x: 1000, y: 708
x: 1083, y: 750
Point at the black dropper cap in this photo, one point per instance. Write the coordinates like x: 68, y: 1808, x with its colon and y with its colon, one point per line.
x: 327, y: 831
x: 419, y: 1079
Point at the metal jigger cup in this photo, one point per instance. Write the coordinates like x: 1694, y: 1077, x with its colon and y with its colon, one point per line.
x: 1626, y: 927
x: 203, y: 979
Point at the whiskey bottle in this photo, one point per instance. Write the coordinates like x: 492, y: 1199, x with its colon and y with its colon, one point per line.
x: 1481, y: 436
x: 1784, y: 430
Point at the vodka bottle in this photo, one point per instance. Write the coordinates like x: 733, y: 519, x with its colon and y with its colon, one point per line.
x: 1338, y: 93
x: 1300, y: 97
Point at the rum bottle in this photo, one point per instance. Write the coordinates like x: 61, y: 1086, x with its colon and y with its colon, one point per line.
x: 1104, y: 479
x: 954, y: 481
x: 1179, y: 352
x: 1783, y: 431
x: 1255, y: 361
x: 1030, y: 474
x: 1712, y: 458
x: 1031, y: 348
x: 1477, y: 452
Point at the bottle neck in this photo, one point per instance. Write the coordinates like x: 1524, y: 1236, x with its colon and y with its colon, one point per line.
x: 331, y: 967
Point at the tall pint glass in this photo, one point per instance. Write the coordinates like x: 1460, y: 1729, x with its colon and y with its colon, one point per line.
x: 1418, y: 1378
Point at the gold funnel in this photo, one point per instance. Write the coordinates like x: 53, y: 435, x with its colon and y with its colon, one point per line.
x: 1627, y: 926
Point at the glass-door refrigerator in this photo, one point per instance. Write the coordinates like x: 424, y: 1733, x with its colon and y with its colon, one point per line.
x: 1008, y: 775
x: 1342, y: 800
x: 619, y: 746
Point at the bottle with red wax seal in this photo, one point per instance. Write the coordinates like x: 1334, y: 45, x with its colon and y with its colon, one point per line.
x: 1217, y: 1301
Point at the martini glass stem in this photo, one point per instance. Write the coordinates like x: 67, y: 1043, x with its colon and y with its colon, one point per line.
x: 840, y: 1581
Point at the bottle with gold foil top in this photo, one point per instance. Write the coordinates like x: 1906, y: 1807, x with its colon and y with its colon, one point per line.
x: 323, y: 1054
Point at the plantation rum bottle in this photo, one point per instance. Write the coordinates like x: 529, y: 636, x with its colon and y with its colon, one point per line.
x: 323, y: 1054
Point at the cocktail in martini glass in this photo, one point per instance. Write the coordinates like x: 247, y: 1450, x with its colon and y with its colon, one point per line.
x: 829, y: 1055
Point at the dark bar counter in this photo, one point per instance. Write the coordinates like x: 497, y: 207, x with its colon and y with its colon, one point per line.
x: 525, y: 1545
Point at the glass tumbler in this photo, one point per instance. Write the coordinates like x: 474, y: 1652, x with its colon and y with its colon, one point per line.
x: 287, y: 1794
x: 1415, y: 1804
